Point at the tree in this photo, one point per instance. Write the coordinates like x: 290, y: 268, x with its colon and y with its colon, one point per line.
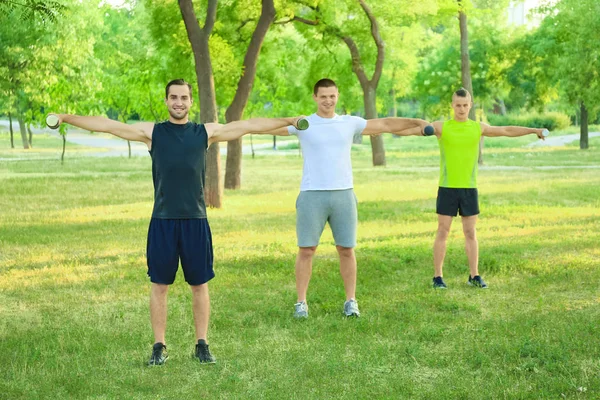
x: 569, y: 35
x: 244, y: 88
x: 368, y: 84
x: 361, y: 28
x: 199, y: 37
x: 129, y: 83
x: 231, y: 49
x: 44, y: 68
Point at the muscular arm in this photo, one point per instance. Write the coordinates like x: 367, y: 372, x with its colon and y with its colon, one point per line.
x: 140, y: 132
x: 510, y: 131
x: 395, y: 125
x: 236, y: 129
x: 276, y: 132
x: 415, y: 131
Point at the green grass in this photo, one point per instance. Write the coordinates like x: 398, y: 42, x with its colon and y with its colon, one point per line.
x: 74, y: 320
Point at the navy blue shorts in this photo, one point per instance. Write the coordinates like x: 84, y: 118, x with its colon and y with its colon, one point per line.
x: 171, y: 240
x: 451, y: 201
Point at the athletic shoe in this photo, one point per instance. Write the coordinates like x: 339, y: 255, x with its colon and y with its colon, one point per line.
x: 477, y: 282
x: 203, y: 353
x: 301, y: 310
x: 438, y: 283
x: 159, y: 354
x: 351, y: 308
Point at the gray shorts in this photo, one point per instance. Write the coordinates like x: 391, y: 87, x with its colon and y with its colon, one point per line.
x: 314, y: 208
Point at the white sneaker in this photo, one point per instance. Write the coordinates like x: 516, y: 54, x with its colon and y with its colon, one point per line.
x: 301, y: 310
x: 351, y: 308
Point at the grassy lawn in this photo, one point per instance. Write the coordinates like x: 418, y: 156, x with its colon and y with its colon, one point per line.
x: 74, y: 319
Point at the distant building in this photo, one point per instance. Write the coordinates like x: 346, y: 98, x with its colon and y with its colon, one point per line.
x: 519, y: 13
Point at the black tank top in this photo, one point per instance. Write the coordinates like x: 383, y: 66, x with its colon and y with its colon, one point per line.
x: 178, y: 166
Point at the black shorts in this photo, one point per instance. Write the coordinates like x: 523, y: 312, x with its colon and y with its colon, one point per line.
x: 452, y: 201
x: 170, y: 240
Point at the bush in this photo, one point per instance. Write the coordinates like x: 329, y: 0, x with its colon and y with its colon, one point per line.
x: 552, y: 120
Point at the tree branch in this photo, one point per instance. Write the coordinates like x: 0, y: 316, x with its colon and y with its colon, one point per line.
x: 246, y: 81
x: 356, y: 60
x: 306, y: 21
x: 378, y: 41
x: 211, y: 16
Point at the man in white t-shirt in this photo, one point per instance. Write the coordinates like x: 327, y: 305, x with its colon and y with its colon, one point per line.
x: 326, y: 192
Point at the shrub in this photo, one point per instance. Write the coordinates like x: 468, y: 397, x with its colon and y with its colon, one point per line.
x: 551, y: 120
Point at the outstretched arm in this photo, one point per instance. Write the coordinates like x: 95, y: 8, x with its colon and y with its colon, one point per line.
x: 235, y: 130
x: 140, y: 132
x: 394, y: 125
x: 277, y: 132
x: 510, y: 131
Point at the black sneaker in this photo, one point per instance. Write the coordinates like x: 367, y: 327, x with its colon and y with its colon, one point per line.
x: 159, y: 354
x: 438, y: 283
x: 477, y: 282
x: 203, y: 353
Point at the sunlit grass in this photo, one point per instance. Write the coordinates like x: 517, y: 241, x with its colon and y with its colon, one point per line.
x: 74, y: 317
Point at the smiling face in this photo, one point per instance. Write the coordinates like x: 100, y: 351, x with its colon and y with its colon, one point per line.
x: 178, y: 103
x: 461, y: 106
x: 326, y: 99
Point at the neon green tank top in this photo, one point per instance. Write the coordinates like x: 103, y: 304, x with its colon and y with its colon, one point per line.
x: 459, y: 151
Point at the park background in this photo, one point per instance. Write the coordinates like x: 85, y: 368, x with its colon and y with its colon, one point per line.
x: 74, y: 206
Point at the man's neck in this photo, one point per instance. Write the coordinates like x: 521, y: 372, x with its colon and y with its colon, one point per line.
x: 325, y: 115
x: 178, y: 121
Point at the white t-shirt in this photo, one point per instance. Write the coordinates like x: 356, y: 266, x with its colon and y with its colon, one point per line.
x: 326, y: 147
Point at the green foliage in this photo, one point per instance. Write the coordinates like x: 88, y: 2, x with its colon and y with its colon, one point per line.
x: 561, y: 59
x: 550, y: 120
x: 440, y: 68
x: 29, y: 10
x: 132, y: 83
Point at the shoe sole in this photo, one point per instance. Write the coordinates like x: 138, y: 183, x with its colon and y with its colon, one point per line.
x: 352, y: 315
x: 203, y: 362
x: 476, y: 286
x: 151, y: 364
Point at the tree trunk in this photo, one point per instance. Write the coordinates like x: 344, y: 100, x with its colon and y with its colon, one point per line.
x: 502, y: 107
x: 393, y: 111
x: 12, y: 133
x: 23, y: 130
x: 377, y: 149
x: 64, y: 147
x: 233, y: 166
x: 369, y: 87
x: 198, y: 37
x: 152, y: 111
x: 129, y: 148
x: 30, y: 135
x: 465, y: 67
x: 583, y: 138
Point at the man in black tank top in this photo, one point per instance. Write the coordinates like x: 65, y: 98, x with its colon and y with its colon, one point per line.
x: 178, y: 230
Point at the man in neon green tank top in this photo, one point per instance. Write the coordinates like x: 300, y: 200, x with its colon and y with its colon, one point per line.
x: 459, y: 139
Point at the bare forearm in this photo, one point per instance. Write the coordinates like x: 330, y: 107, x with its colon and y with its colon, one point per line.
x: 140, y: 132
x: 514, y: 131
x: 95, y: 124
x: 276, y: 132
x: 399, y: 125
x: 415, y: 131
x: 266, y: 125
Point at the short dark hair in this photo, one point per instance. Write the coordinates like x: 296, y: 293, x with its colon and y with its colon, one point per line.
x: 325, y: 82
x: 178, y: 82
x: 462, y: 92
